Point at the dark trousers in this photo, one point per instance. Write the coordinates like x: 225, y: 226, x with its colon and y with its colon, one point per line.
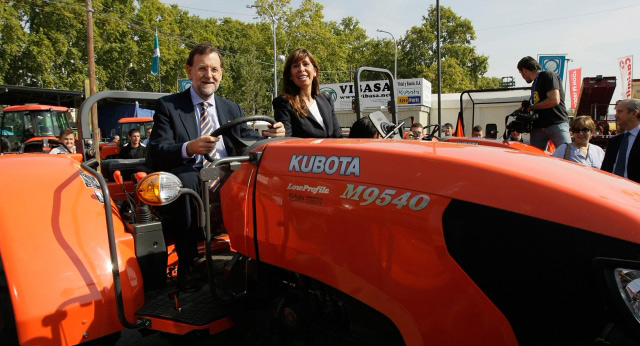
x: 180, y: 219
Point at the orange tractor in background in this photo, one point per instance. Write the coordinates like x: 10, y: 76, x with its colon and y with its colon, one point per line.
x: 32, y: 128
x: 111, y: 150
x: 326, y: 242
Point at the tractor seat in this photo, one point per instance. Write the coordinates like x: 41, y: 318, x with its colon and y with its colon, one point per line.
x: 128, y: 167
x: 32, y: 147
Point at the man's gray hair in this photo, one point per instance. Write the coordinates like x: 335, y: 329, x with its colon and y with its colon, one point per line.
x: 632, y: 105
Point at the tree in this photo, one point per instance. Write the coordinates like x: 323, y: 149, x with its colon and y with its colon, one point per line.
x: 45, y: 52
x: 462, y: 68
x: 43, y: 43
x: 12, y: 37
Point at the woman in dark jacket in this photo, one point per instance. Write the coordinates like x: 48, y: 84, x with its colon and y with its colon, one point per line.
x: 304, y: 111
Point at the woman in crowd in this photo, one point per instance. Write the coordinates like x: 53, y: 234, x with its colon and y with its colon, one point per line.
x: 304, y: 111
x: 581, y: 151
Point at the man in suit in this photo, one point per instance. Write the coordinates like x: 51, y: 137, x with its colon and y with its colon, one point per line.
x: 625, y: 162
x: 134, y: 149
x: 180, y: 136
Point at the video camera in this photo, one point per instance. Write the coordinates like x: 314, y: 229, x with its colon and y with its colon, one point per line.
x: 523, y: 120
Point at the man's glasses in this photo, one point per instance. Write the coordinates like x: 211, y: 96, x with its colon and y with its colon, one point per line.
x: 583, y: 130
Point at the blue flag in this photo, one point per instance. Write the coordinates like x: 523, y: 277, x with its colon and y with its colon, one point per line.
x: 553, y: 63
x: 155, y: 65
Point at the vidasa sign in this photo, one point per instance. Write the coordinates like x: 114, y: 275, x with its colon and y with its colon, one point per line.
x: 375, y: 94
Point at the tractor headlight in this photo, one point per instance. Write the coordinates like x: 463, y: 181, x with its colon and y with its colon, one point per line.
x: 622, y: 281
x: 628, y: 281
x: 159, y: 188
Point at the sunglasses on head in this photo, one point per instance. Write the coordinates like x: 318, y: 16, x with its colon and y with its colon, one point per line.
x: 583, y: 130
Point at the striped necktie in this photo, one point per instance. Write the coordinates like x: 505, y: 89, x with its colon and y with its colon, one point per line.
x: 206, y: 128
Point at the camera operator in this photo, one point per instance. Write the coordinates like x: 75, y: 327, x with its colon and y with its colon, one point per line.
x: 547, y: 100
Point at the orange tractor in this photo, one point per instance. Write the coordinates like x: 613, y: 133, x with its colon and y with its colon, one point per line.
x: 327, y: 242
x: 111, y: 150
x: 32, y: 128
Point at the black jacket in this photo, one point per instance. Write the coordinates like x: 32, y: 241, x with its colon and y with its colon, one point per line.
x: 308, y: 127
x: 174, y: 124
x: 126, y: 151
x: 633, y: 164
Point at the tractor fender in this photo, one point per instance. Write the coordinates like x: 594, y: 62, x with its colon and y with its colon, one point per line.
x: 55, y: 252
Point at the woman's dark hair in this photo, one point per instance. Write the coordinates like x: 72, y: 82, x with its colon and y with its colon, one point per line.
x: 291, y: 91
x: 363, y: 128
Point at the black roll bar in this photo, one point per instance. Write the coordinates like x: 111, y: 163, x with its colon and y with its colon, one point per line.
x: 393, y: 106
x: 473, y: 103
x: 113, y: 252
x: 84, y: 131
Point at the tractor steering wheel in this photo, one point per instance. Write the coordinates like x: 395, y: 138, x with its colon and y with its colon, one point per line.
x: 239, y: 144
x: 432, y: 135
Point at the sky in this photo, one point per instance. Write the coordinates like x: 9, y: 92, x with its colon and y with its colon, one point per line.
x: 592, y: 33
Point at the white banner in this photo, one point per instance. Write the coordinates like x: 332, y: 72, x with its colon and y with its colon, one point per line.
x: 626, y: 72
x: 416, y: 91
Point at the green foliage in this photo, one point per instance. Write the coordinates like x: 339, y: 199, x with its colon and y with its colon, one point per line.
x: 461, y: 67
x: 44, y: 43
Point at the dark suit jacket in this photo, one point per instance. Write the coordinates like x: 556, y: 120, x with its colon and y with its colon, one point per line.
x: 633, y: 165
x: 174, y: 123
x: 308, y: 127
x: 125, y: 153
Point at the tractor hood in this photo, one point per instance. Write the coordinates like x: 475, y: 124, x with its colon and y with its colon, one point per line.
x: 527, y: 183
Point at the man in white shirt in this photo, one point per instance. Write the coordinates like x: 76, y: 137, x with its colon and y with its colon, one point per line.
x: 623, y: 152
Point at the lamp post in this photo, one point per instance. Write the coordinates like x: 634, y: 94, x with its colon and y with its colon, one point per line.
x: 275, y: 67
x: 395, y: 55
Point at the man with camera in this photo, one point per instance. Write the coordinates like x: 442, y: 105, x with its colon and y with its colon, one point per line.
x: 547, y: 100
x: 415, y: 132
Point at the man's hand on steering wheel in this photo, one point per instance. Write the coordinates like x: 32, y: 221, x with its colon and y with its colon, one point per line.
x: 239, y: 144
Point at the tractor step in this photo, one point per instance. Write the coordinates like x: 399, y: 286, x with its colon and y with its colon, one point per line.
x: 197, y: 308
